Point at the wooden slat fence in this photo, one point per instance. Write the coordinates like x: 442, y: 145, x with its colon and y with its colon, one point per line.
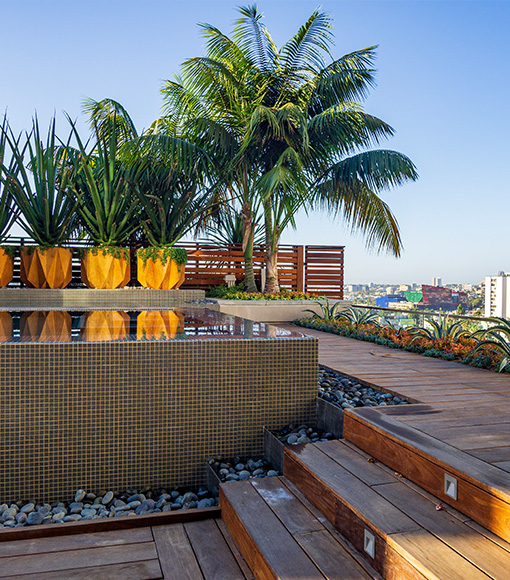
x: 317, y: 269
x: 324, y: 270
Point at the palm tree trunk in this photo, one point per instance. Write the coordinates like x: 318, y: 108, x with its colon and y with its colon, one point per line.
x: 272, y: 238
x: 248, y: 233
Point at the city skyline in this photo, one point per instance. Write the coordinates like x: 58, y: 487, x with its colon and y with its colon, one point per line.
x: 439, y: 85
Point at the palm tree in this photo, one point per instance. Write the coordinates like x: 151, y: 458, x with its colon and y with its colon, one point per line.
x: 288, y: 131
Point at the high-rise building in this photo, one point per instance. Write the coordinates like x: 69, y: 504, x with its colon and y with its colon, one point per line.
x: 437, y: 281
x: 497, y: 296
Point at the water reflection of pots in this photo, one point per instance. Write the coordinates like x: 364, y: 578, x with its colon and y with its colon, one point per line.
x: 5, y: 327
x: 159, y: 324
x: 48, y: 326
x: 104, y: 325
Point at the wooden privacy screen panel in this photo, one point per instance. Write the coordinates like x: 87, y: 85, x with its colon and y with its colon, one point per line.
x: 324, y: 270
x: 318, y: 269
x: 208, y: 264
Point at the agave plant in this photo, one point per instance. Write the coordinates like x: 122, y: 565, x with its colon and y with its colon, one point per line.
x: 107, y: 196
x: 169, y: 177
x: 8, y: 210
x: 359, y: 316
x: 444, y: 328
x: 498, y: 338
x: 328, y: 312
x: 38, y: 182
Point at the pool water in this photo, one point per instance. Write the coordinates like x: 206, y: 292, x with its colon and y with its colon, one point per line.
x: 33, y: 326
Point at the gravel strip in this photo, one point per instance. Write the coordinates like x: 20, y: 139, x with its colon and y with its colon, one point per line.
x: 239, y: 470
x: 345, y: 393
x: 110, y: 504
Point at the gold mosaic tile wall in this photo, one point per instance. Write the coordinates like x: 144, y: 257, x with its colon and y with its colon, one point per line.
x: 84, y: 298
x: 112, y: 415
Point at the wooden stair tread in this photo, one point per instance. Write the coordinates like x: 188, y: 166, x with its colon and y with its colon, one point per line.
x: 347, y: 488
x: 474, y: 470
x: 424, y: 543
x: 280, y: 538
x: 483, y: 490
x: 480, y: 551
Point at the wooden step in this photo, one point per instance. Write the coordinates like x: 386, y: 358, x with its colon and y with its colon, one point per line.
x: 279, y: 536
x: 483, y: 490
x: 368, y: 503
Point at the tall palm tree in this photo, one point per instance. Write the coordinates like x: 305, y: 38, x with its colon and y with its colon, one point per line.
x: 288, y: 130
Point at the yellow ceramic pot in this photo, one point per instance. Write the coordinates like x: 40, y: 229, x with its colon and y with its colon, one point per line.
x: 46, y: 267
x: 6, y: 268
x: 101, y: 269
x: 161, y: 276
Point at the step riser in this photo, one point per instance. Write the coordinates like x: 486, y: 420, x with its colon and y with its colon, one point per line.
x: 476, y: 503
x: 389, y: 563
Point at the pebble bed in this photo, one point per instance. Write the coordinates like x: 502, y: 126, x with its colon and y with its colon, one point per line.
x: 89, y: 506
x: 292, y: 435
x: 239, y: 470
x: 345, y: 393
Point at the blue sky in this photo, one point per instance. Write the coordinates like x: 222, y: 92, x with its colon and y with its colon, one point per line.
x: 443, y: 84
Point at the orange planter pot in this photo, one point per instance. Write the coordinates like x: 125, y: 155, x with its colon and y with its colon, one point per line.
x: 46, y: 267
x: 6, y: 268
x: 104, y: 325
x: 52, y: 326
x: 105, y: 271
x: 155, y: 274
x: 5, y: 327
x: 159, y: 325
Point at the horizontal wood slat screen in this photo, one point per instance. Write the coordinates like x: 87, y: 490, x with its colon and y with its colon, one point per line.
x: 324, y: 270
x: 318, y: 269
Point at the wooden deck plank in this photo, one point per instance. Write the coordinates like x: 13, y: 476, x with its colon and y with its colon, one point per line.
x: 333, y: 562
x: 241, y: 562
x: 330, y: 557
x: 214, y: 557
x: 355, y: 463
x: 369, y: 506
x: 291, y: 512
x: 265, y: 543
x: 178, y: 562
x: 148, y: 570
x: 75, y: 559
x: 75, y: 542
x: 480, y: 551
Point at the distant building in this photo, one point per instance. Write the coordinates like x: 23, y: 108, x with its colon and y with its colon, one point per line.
x: 437, y: 281
x: 442, y: 298
x: 384, y: 301
x: 404, y: 288
x: 497, y: 296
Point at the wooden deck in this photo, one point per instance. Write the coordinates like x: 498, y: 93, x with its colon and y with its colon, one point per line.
x: 458, y: 424
x: 466, y: 407
x: 194, y: 550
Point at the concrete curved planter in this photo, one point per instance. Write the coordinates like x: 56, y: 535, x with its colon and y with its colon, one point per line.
x: 45, y: 267
x: 6, y: 268
x: 155, y: 274
x: 104, y: 271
